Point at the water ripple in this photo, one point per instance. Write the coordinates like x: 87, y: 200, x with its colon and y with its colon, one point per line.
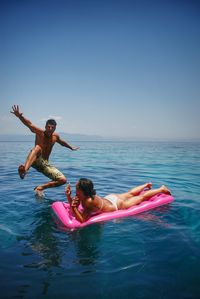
x: 154, y: 248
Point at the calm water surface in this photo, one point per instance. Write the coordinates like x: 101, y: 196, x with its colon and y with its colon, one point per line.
x: 152, y: 255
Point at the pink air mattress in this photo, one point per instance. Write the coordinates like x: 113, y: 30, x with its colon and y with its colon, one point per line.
x: 64, y: 214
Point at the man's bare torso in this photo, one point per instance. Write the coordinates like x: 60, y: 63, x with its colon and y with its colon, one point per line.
x: 46, y: 143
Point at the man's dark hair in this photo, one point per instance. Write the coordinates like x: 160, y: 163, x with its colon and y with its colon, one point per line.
x: 51, y: 122
x: 87, y: 187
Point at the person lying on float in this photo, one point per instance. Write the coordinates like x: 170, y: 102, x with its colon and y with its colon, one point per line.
x: 93, y: 204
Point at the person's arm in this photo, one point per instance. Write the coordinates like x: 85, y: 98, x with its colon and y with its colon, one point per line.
x: 64, y: 143
x: 68, y: 193
x: 25, y: 121
x: 80, y: 216
x: 74, y: 203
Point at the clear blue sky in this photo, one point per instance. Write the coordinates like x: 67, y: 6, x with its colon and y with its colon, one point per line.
x: 111, y: 68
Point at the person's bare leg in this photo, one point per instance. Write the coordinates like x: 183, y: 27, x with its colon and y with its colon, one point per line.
x: 32, y: 156
x: 135, y: 200
x: 138, y: 189
x: 135, y: 191
x: 51, y: 184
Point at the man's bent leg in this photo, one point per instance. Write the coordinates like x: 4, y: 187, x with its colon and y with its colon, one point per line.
x: 32, y: 156
x: 59, y: 182
x: 56, y: 176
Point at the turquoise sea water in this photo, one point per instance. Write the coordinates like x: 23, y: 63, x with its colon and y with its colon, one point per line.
x: 152, y: 255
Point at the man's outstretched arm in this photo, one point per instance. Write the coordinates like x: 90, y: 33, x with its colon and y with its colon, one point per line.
x: 25, y: 121
x: 64, y: 143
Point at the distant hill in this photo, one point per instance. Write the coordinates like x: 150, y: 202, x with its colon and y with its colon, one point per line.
x: 80, y: 137
x: 83, y: 137
x: 65, y: 136
x: 16, y: 137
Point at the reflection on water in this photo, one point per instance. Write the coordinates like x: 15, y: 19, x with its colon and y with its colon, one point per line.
x: 86, y: 243
x: 43, y: 241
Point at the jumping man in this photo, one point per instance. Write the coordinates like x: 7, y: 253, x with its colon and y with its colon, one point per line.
x: 39, y: 155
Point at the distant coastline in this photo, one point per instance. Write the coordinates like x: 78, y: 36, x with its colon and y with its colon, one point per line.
x: 83, y: 137
x: 66, y: 136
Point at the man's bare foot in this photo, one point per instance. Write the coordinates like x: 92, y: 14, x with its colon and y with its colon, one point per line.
x: 39, y: 192
x: 22, y: 171
x: 165, y: 190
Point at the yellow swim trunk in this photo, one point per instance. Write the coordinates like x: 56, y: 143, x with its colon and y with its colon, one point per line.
x: 48, y: 170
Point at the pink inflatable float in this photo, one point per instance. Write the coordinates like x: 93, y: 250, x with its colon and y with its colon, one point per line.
x: 62, y: 210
